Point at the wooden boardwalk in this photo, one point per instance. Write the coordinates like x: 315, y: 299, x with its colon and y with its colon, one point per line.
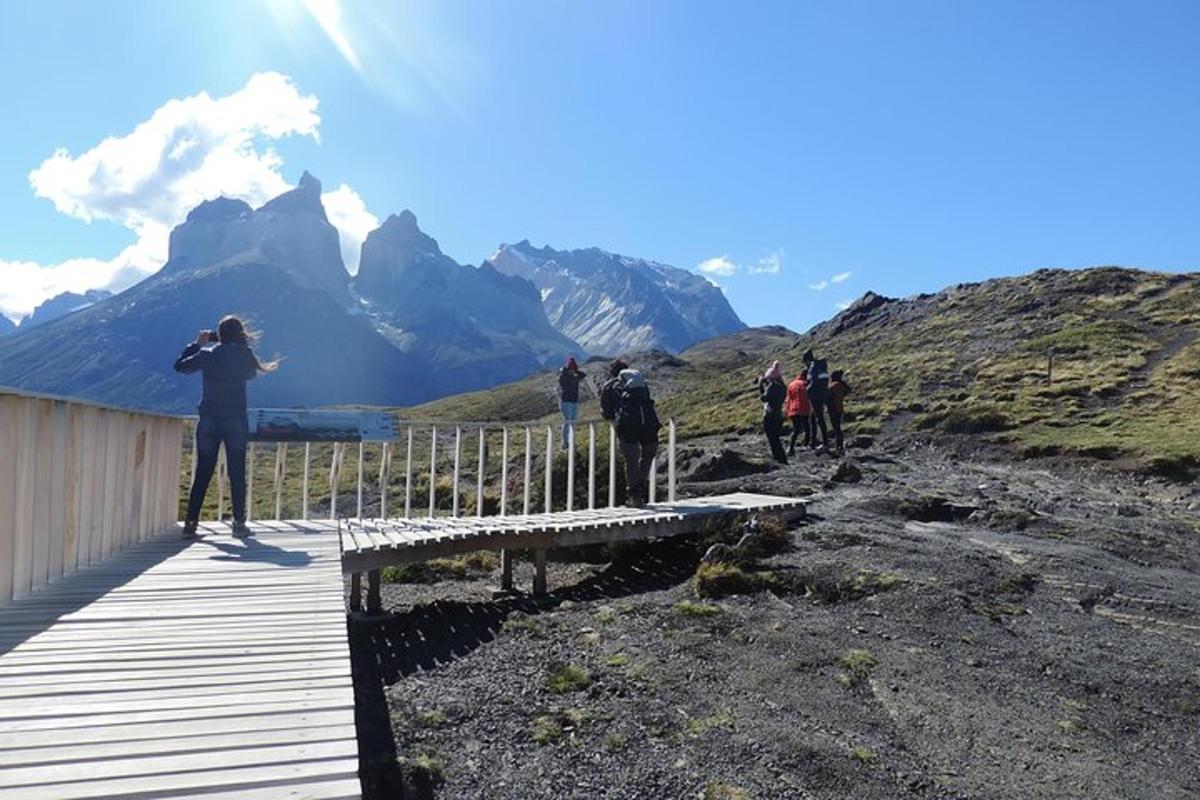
x: 217, y: 668
x: 221, y: 668
x: 368, y: 545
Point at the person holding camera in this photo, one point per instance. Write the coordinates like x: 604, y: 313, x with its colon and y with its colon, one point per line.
x: 225, y: 360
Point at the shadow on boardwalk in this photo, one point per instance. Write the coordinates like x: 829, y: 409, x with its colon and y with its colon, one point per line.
x: 384, y: 649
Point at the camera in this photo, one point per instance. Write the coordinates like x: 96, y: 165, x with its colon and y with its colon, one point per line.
x: 211, y: 337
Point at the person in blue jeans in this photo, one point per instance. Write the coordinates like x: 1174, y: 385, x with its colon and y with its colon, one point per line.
x: 569, y: 378
x: 225, y: 360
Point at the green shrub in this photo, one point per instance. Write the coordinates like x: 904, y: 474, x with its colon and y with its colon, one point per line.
x: 721, y: 580
x: 565, y: 678
x: 857, y: 666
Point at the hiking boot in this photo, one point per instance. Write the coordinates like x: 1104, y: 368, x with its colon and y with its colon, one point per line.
x: 241, y: 531
x: 189, y: 530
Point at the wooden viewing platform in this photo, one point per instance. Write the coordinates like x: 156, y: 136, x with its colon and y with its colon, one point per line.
x: 136, y: 665
x: 215, y: 668
x: 368, y: 545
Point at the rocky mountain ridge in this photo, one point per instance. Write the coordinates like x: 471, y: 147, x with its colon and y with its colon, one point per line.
x: 611, y: 303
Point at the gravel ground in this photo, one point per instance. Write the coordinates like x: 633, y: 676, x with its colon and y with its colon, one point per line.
x: 973, y: 627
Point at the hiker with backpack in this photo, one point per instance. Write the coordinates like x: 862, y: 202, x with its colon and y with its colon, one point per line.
x: 838, y: 389
x: 799, y: 411
x: 773, y: 393
x: 817, y: 373
x: 569, y: 378
x: 625, y: 401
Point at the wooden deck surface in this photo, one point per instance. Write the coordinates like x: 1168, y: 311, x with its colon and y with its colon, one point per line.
x: 368, y: 543
x: 217, y: 668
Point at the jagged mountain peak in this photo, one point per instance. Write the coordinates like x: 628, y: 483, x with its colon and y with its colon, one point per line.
x: 611, y: 303
x: 220, y: 208
x: 304, y: 199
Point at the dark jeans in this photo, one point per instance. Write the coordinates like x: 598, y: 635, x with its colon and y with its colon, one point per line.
x: 801, y: 425
x: 818, y: 407
x: 773, y: 426
x: 835, y: 421
x: 211, y: 433
x: 639, y: 455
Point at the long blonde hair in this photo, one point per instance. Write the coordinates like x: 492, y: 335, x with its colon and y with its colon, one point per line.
x: 232, y: 329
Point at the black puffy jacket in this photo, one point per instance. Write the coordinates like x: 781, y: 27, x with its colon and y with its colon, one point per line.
x: 226, y: 368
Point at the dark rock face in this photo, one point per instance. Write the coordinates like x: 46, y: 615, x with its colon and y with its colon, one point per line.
x: 63, y: 304
x: 469, y: 318
x: 7, y: 326
x: 611, y: 303
x: 429, y: 327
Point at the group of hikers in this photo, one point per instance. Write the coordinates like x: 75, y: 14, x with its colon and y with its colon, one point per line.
x: 803, y: 402
x: 625, y: 402
x: 226, y: 361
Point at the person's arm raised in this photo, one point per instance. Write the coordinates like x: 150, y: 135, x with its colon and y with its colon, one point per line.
x: 194, y: 356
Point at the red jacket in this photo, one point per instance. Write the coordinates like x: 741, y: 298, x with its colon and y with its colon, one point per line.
x: 797, y: 398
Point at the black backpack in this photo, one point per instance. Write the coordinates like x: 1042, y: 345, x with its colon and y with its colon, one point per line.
x: 818, y: 379
x: 635, y: 411
x: 610, y: 398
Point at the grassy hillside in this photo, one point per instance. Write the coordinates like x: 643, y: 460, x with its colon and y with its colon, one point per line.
x: 969, y: 360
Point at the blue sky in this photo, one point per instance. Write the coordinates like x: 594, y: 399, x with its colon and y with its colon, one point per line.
x: 898, y: 147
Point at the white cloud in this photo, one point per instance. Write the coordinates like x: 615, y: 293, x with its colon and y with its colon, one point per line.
x: 348, y: 213
x: 189, y: 150
x: 770, y: 264
x: 841, y: 277
x: 720, y: 265
x: 819, y: 286
x: 844, y: 304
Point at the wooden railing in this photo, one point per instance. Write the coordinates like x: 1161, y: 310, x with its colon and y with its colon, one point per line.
x: 427, y: 452
x: 79, y: 481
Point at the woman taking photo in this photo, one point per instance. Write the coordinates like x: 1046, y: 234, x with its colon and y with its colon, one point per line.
x: 226, y: 361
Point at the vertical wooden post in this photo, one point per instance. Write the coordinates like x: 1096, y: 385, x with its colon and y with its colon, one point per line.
x: 653, y: 494
x: 504, y: 471
x: 482, y: 469
x: 570, y: 467
x: 549, y: 469
x: 591, y: 465
x: 539, y: 571
x: 335, y: 475
x: 280, y: 470
x: 612, y: 466
x: 356, y: 591
x: 10, y: 435
x: 457, y: 461
x: 304, y: 484
x: 432, y: 469
x: 528, y: 467
x: 374, y: 601
x: 385, y: 466
x: 671, y: 461
x: 249, y: 482
x: 358, y: 506
x: 408, y: 475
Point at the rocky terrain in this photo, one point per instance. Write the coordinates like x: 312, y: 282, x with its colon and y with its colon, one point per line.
x: 948, y: 623
x: 995, y: 594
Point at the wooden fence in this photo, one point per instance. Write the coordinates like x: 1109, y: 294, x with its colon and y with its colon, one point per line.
x: 464, y: 449
x: 78, y: 482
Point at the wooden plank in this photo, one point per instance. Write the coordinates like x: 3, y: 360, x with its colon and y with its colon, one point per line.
x: 59, y: 474
x: 10, y: 416
x: 26, y: 467
x: 74, y: 479
x: 43, y: 491
x: 169, y: 683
